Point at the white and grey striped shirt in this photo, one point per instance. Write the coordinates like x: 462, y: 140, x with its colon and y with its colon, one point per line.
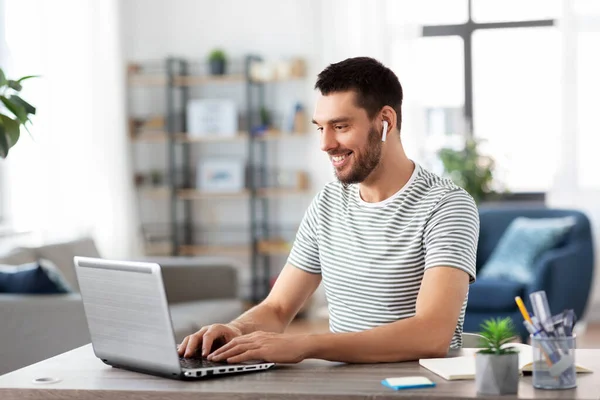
x: 372, y: 256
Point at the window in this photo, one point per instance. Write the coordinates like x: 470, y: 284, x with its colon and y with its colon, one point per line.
x: 517, y: 103
x: 588, y: 87
x: 511, y: 71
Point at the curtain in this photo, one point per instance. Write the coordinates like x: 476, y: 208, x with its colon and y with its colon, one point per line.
x: 72, y: 177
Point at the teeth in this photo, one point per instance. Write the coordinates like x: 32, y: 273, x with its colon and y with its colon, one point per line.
x: 338, y: 158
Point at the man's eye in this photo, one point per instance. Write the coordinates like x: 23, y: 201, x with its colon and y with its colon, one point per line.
x: 320, y: 129
x: 341, y: 126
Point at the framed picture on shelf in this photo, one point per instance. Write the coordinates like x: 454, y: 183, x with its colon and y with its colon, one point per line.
x: 212, y: 117
x: 220, y: 175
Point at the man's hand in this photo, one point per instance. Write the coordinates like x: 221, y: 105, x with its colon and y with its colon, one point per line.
x: 207, y: 337
x: 264, y: 346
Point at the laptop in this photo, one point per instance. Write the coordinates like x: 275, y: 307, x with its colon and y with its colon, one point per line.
x: 130, y: 325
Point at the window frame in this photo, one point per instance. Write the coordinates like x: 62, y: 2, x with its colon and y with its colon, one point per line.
x: 465, y: 31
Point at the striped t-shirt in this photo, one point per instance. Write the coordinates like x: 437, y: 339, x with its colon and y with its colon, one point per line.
x: 372, y: 256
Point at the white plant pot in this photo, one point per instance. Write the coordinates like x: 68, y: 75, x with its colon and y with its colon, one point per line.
x: 497, y: 374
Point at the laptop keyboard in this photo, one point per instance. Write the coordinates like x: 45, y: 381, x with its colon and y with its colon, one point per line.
x: 194, y: 363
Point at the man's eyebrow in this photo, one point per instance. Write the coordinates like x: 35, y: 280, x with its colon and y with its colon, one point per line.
x: 334, y: 120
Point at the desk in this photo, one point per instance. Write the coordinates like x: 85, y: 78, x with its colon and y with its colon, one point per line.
x: 85, y: 377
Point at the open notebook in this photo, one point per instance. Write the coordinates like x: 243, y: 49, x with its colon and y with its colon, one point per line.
x: 455, y: 368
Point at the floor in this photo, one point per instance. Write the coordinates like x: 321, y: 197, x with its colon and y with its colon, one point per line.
x: 588, y: 339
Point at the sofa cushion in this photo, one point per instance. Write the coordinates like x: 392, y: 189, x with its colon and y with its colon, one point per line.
x: 488, y: 294
x: 189, y: 317
x: 28, y: 279
x: 18, y: 256
x: 62, y: 254
x: 521, y: 244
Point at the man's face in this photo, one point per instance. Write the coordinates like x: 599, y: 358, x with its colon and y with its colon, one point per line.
x: 348, y: 136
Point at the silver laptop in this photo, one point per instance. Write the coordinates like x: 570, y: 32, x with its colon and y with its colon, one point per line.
x: 130, y: 325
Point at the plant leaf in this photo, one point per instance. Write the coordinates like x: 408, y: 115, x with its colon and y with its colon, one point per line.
x: 15, y: 85
x: 12, y: 129
x: 2, y: 78
x: 4, y: 145
x: 28, y: 107
x: 27, y: 77
x: 16, y: 109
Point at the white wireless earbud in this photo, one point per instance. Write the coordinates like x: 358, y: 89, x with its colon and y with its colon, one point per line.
x: 384, y: 133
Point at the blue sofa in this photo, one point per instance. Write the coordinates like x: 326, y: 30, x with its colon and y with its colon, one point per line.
x: 564, y: 272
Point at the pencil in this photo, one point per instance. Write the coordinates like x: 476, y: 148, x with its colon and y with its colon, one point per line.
x: 523, y: 309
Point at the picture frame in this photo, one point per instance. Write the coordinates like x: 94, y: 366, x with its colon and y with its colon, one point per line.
x: 212, y: 117
x: 220, y: 175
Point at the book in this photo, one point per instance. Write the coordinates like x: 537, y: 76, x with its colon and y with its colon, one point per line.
x: 463, y: 368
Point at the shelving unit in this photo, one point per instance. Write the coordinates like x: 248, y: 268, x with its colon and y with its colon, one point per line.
x: 179, y: 192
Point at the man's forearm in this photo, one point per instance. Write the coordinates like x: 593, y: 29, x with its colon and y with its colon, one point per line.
x: 263, y: 317
x: 404, y: 340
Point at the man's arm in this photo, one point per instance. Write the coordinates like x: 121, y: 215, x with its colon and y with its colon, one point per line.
x: 427, y: 334
x: 291, y: 290
x: 293, y: 287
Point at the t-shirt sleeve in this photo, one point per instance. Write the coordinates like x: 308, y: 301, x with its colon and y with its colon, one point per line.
x: 305, y: 251
x: 452, y: 232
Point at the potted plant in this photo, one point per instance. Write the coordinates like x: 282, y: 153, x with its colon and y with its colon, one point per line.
x: 470, y: 169
x: 217, y: 61
x: 14, y: 112
x: 156, y: 177
x: 497, y: 365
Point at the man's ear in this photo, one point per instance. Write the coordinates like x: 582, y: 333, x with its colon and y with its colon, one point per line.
x: 388, y: 115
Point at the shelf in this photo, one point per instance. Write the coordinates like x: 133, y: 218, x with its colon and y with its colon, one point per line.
x: 207, y: 79
x: 193, y: 194
x: 274, y: 247
x: 155, y: 192
x: 267, y: 247
x: 197, y: 80
x: 146, y: 80
x: 158, y: 249
x: 161, y: 137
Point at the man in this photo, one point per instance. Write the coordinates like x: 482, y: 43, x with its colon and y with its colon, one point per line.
x: 393, y: 244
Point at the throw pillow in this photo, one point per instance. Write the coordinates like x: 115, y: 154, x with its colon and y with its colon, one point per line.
x: 522, y: 243
x: 28, y: 279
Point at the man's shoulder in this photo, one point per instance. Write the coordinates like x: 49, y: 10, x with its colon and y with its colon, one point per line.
x: 435, y: 188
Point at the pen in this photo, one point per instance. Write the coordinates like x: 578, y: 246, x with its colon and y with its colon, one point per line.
x: 541, y: 309
x: 546, y: 350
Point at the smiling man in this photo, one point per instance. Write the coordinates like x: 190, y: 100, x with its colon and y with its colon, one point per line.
x: 393, y: 244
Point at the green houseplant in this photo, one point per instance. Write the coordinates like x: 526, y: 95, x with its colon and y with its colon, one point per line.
x: 14, y: 112
x: 217, y: 61
x: 497, y: 365
x: 469, y: 169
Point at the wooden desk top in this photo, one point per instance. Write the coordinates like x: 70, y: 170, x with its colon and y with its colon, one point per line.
x: 83, y: 376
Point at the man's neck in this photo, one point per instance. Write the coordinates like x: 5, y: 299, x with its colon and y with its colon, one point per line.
x: 391, y: 175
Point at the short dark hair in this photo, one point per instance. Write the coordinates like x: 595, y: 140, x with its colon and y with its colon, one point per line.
x: 375, y: 85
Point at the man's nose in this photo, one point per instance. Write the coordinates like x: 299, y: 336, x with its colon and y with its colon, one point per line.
x: 328, y: 141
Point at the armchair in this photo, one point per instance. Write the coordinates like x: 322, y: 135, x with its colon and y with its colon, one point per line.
x: 564, y: 272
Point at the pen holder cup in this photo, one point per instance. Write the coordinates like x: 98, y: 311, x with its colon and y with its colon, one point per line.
x: 554, y: 362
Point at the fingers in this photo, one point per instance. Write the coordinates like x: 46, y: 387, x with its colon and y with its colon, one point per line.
x: 211, y: 335
x: 193, y: 343
x: 231, y: 344
x: 249, y: 355
x: 234, y: 351
x: 181, y: 348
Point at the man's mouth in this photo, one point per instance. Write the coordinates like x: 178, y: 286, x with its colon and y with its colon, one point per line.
x: 339, y: 160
